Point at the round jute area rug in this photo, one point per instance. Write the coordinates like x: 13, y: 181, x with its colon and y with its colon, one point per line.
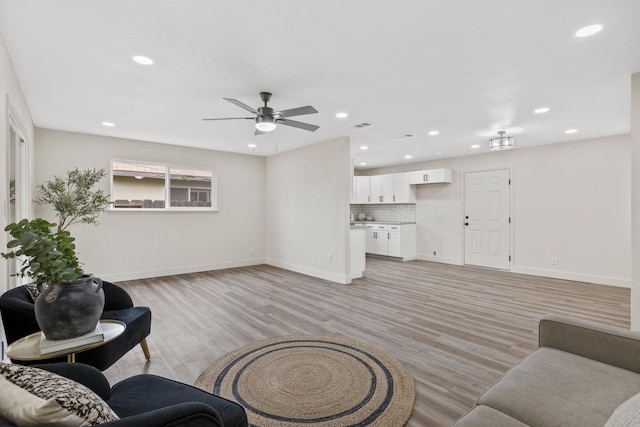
x: 313, y: 380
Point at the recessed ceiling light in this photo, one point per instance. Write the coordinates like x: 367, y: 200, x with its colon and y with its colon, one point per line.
x: 342, y: 115
x: 252, y: 145
x: 541, y: 110
x: 364, y: 147
x: 589, y: 30
x: 408, y: 156
x: 142, y: 60
x: 108, y: 124
x: 571, y: 131
x: 363, y: 163
x: 475, y: 146
x: 434, y: 132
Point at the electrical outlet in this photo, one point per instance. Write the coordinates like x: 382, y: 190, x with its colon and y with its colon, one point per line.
x: 329, y: 258
x: 250, y: 251
x: 554, y: 260
x: 435, y: 253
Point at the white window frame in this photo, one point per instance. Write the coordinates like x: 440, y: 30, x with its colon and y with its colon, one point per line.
x: 167, y: 184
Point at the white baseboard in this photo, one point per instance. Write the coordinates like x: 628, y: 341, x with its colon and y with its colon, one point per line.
x: 147, y: 274
x: 570, y: 275
x: 332, y: 277
x: 444, y: 260
x: 544, y: 272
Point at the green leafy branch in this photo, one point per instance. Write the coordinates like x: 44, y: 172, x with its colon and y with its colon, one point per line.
x: 72, y: 198
x: 48, y: 257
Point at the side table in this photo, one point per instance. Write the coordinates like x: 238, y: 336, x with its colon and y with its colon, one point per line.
x: 28, y: 348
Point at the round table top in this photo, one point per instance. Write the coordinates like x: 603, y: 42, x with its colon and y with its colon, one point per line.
x: 28, y: 348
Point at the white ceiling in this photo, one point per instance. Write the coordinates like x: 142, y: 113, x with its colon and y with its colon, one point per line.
x: 466, y: 68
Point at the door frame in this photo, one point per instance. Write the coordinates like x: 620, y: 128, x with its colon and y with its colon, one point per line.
x: 510, y: 168
x: 22, y: 157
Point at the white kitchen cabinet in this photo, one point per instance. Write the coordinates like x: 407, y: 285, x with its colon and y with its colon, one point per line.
x: 402, y: 191
x: 370, y: 241
x: 375, y: 188
x: 397, y: 240
x: 382, y: 245
x: 362, y: 189
x: 431, y: 176
x: 381, y: 189
x: 394, y: 243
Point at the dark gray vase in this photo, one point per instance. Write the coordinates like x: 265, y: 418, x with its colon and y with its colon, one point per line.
x: 70, y: 309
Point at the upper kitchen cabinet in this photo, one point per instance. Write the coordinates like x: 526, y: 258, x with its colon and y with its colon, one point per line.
x: 431, y: 176
x: 383, y: 189
x: 362, y: 189
x: 402, y: 191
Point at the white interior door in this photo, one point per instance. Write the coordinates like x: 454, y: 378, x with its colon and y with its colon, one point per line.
x: 487, y: 219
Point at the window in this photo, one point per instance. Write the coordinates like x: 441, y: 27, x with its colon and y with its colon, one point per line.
x: 141, y: 185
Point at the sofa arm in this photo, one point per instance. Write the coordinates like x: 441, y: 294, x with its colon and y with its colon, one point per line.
x: 612, y: 345
x: 191, y: 414
x: 83, y: 374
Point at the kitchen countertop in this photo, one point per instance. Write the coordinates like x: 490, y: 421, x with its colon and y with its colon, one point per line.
x: 382, y: 222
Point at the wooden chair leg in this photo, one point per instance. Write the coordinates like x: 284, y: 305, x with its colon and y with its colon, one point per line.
x: 145, y: 349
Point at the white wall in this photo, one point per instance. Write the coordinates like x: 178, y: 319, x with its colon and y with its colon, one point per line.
x: 134, y: 244
x: 9, y: 85
x: 307, y: 210
x: 635, y: 200
x: 569, y: 200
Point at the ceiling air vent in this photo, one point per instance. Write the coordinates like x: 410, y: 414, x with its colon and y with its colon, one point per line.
x: 361, y: 125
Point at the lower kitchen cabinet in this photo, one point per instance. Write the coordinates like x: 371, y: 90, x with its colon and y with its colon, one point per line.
x: 396, y: 240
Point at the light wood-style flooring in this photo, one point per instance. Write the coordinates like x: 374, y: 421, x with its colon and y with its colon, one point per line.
x: 457, y: 329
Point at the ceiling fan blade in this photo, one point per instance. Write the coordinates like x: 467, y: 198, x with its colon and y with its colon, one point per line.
x: 300, y: 111
x: 233, y: 118
x: 242, y: 105
x: 299, y: 125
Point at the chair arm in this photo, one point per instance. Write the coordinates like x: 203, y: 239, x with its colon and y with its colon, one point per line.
x: 18, y: 318
x: 84, y: 374
x: 612, y: 345
x: 190, y: 414
x: 115, y: 298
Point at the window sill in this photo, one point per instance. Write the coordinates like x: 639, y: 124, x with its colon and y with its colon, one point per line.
x: 160, y: 210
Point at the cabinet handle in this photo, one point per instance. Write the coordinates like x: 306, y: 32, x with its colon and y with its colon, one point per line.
x: 368, y: 199
x: 426, y: 177
x: 388, y: 236
x: 381, y: 198
x: 394, y: 197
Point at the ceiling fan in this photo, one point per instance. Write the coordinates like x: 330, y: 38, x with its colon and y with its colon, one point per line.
x: 266, y: 118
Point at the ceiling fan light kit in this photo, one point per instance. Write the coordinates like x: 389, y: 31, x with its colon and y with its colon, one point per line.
x: 267, y: 119
x: 501, y: 143
x: 265, y: 124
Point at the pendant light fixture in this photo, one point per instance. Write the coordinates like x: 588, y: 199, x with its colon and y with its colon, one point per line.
x: 501, y: 143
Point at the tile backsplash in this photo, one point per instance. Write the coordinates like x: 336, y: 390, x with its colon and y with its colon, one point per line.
x: 395, y: 213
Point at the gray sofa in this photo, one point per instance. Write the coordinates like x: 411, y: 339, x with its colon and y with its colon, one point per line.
x: 580, y: 373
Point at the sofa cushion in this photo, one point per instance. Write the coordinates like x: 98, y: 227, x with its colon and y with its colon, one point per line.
x: 627, y: 414
x: 34, y: 397
x: 483, y: 416
x: 554, y: 388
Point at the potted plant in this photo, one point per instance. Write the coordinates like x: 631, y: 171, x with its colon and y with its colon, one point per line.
x: 72, y: 302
